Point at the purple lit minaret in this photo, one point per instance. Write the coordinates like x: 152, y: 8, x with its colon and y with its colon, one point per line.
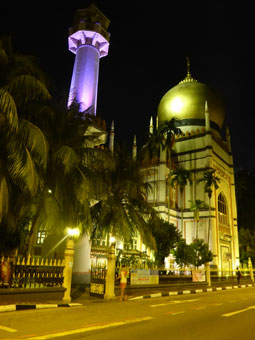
x: 89, y: 40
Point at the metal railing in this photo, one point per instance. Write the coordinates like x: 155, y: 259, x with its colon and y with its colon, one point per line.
x: 31, y: 272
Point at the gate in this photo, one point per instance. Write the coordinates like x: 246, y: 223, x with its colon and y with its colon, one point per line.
x: 97, y: 281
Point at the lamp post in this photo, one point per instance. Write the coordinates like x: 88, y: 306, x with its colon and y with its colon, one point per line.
x: 110, y: 275
x: 68, y: 260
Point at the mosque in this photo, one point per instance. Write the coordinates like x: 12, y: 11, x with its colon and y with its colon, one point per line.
x: 200, y: 147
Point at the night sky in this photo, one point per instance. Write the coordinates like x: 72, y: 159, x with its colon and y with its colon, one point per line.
x: 147, y: 56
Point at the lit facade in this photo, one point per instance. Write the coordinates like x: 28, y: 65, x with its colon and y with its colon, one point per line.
x: 200, y: 116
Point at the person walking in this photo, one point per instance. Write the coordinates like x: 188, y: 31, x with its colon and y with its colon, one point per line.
x: 239, y: 275
x: 123, y: 282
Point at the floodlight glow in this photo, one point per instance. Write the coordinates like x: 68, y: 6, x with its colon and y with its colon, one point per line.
x: 177, y: 105
x: 112, y: 239
x: 73, y: 232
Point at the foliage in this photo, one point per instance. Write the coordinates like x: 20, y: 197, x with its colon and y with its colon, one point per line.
x: 122, y: 209
x: 245, y: 188
x: 183, y: 253
x: 210, y: 180
x: 166, y: 236
x: 23, y: 147
x: 247, y: 245
x: 201, y: 253
x: 196, y: 253
x: 196, y: 206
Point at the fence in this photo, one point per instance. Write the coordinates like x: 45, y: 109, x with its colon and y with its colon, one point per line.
x: 31, y: 272
x: 97, y: 280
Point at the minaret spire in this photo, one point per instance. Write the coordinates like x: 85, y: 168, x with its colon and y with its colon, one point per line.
x: 188, y: 68
x: 207, y: 117
x: 151, y: 125
x: 111, y: 138
x: 134, y: 148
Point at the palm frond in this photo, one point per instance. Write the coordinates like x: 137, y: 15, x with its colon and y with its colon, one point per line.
x: 26, y: 88
x: 35, y: 141
x: 8, y: 111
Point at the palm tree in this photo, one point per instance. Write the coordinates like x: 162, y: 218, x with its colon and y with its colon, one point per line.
x: 196, y: 206
x: 23, y: 155
x: 72, y: 180
x: 211, y: 181
x: 124, y: 210
x: 168, y: 131
x: 151, y: 151
x: 181, y: 177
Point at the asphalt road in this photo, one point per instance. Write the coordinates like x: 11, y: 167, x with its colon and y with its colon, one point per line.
x: 216, y: 315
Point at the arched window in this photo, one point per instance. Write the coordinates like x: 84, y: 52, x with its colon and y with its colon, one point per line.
x: 222, y: 211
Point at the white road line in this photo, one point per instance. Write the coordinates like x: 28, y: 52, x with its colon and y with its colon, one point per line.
x: 238, y: 311
x: 88, y: 329
x: 173, y: 302
x: 8, y: 329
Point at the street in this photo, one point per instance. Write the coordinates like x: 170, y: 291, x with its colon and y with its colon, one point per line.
x: 219, y: 315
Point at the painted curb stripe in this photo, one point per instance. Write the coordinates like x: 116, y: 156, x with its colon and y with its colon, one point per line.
x: 9, y: 308
x: 192, y: 291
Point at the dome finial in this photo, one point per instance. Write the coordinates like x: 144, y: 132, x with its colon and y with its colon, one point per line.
x: 188, y: 68
x: 188, y: 77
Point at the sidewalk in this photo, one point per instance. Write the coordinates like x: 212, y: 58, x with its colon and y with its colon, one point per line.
x: 81, y: 296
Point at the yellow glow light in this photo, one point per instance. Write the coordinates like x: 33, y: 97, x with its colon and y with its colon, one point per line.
x: 176, y: 105
x: 73, y: 232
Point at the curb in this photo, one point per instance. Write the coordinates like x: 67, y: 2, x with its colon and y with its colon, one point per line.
x: 10, y: 308
x: 192, y: 291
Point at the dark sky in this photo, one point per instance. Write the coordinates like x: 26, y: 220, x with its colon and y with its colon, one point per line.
x: 147, y: 56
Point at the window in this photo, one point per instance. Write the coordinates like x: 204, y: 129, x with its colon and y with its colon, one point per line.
x: 41, y: 235
x: 222, y: 210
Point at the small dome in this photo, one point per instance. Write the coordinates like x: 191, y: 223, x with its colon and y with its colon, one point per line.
x: 186, y: 102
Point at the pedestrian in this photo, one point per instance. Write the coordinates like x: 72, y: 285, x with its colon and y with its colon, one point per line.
x: 123, y: 282
x: 239, y: 275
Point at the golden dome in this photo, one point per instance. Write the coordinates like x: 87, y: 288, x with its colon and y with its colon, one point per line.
x: 186, y: 102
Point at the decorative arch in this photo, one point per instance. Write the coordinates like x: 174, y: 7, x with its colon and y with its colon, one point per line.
x: 223, y: 215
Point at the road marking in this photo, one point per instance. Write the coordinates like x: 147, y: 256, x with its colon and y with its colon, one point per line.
x: 238, y: 311
x: 199, y: 308
x: 89, y: 329
x: 175, y: 313
x: 8, y: 329
x: 173, y: 302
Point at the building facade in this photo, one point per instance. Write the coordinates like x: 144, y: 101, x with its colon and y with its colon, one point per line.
x: 200, y: 116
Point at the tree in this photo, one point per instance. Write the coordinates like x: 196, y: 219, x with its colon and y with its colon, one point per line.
x: 166, y: 236
x: 183, y: 253
x: 151, y: 151
x: 196, y: 206
x: 181, y: 177
x: 247, y: 245
x: 24, y: 151
x: 197, y: 253
x: 201, y: 253
x: 123, y: 211
x: 72, y: 179
x: 211, y: 181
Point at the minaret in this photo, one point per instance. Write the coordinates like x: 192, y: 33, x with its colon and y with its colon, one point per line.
x: 89, y: 41
x: 134, y: 148
x: 207, y: 117
x: 151, y: 125
x: 111, y: 138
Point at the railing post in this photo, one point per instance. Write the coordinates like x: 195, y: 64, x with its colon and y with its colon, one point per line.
x: 69, y: 253
x: 110, y: 275
x: 251, y: 269
x: 208, y: 274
